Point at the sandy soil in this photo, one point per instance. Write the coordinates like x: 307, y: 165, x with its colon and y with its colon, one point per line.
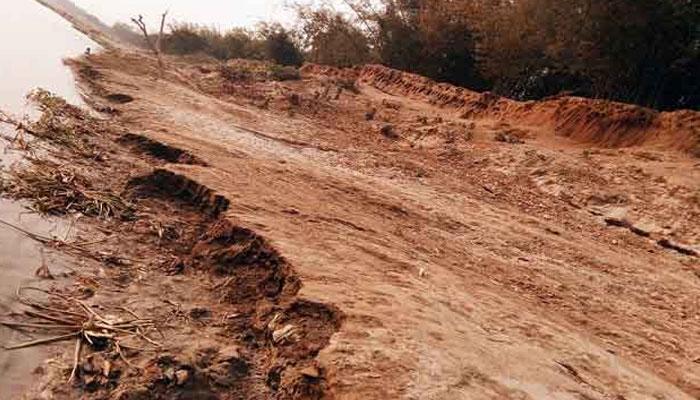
x: 297, y: 240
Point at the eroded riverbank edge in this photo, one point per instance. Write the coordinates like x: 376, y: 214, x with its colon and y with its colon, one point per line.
x: 502, y: 292
x: 240, y: 327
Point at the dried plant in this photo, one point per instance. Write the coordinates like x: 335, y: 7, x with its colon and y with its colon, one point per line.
x: 72, y: 318
x: 58, y: 189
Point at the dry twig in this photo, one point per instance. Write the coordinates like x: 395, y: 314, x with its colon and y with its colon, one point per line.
x: 78, y: 249
x: 82, y: 323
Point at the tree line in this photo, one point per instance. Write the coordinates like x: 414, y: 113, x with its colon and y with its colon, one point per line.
x: 637, y: 51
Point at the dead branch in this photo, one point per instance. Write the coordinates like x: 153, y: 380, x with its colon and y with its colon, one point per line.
x: 364, y: 16
x: 83, y: 323
x: 159, y: 42
x: 71, y: 248
x: 156, y: 47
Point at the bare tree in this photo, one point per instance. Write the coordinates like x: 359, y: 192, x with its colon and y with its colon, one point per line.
x: 156, y: 46
x: 365, y: 13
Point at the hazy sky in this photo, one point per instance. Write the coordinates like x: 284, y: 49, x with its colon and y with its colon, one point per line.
x: 218, y: 13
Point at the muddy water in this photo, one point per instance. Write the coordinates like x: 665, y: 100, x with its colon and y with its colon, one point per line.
x: 19, y: 258
x: 33, y: 43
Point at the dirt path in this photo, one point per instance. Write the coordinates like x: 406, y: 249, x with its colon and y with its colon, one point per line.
x: 462, y: 266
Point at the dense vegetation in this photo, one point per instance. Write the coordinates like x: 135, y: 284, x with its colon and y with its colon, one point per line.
x: 271, y: 42
x: 639, y: 51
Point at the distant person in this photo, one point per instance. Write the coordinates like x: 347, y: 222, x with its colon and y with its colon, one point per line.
x: 87, y: 51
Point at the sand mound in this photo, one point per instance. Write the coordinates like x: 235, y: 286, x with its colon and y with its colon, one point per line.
x: 327, y: 71
x: 599, y: 122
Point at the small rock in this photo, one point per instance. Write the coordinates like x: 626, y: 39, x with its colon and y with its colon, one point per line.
x: 88, y: 366
x: 106, y: 368
x: 169, y: 374
x: 369, y: 115
x: 506, y: 137
x: 181, y: 377
x: 311, y: 372
x: 229, y: 353
x: 388, y: 131
x: 198, y: 313
x: 617, y: 217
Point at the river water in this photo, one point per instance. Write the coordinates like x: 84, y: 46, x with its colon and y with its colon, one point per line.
x: 33, y: 43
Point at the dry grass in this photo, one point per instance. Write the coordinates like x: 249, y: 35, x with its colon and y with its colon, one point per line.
x: 63, y: 124
x: 50, y: 187
x: 58, y: 189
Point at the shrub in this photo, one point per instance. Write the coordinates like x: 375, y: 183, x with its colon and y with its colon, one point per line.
x: 284, y: 73
x: 330, y: 38
x: 192, y: 39
x: 348, y: 84
x: 186, y: 39
x: 280, y: 47
x: 232, y: 74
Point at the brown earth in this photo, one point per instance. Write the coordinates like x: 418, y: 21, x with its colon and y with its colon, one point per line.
x: 371, y: 234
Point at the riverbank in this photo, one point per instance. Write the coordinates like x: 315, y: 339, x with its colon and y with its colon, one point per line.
x: 324, y: 238
x: 83, y: 22
x: 36, y: 60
